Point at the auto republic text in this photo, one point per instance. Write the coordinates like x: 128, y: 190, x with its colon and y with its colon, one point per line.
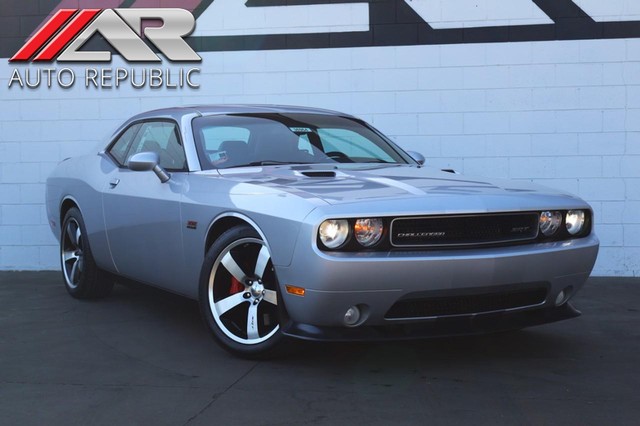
x: 106, y: 78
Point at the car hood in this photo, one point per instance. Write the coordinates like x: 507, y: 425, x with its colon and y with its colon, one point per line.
x: 361, y: 183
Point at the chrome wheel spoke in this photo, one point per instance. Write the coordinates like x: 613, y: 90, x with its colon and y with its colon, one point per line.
x: 252, y: 322
x: 232, y: 266
x: 270, y: 296
x: 229, y: 302
x: 72, y: 233
x: 78, y: 238
x: 75, y: 269
x: 69, y: 255
x: 261, y: 262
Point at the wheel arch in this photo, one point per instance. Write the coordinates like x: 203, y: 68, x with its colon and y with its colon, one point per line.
x: 67, y: 204
x: 226, y: 221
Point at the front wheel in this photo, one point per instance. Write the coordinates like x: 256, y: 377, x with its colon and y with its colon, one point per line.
x: 239, y: 293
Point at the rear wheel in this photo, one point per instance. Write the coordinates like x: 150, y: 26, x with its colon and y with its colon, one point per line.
x: 239, y: 293
x: 82, y: 278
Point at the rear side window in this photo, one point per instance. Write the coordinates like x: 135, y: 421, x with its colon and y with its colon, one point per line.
x: 119, y: 149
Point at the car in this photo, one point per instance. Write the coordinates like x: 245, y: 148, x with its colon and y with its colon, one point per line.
x: 294, y: 222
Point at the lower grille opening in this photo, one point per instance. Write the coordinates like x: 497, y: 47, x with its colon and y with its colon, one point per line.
x: 466, y: 304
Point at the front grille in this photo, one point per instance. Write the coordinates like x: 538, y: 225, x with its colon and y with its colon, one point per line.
x: 466, y: 304
x: 443, y: 231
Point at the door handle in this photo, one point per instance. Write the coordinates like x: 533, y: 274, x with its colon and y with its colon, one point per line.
x: 114, y: 183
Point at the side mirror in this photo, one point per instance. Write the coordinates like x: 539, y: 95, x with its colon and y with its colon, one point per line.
x: 148, y: 161
x: 417, y: 156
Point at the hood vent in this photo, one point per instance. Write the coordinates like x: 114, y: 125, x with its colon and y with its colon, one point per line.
x: 319, y: 174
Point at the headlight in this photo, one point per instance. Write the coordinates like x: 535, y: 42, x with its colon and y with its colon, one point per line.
x: 550, y: 222
x: 333, y: 233
x: 368, y: 231
x: 575, y: 221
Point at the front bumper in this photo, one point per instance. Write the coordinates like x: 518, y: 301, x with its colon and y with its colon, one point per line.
x: 443, y: 327
x: 376, y: 281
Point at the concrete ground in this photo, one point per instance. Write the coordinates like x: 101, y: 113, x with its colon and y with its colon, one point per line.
x: 143, y: 357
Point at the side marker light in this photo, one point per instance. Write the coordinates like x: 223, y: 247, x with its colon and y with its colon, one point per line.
x: 296, y: 291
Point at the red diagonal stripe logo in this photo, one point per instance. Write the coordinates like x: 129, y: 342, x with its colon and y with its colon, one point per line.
x: 36, y: 42
x: 67, y: 34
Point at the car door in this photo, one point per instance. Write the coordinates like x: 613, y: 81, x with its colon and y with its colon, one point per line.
x: 142, y: 215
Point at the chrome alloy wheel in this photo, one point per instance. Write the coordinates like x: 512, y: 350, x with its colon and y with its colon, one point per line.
x: 72, y: 253
x: 242, y: 292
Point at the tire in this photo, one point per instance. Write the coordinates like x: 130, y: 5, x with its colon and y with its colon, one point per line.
x: 239, y: 294
x: 81, y: 276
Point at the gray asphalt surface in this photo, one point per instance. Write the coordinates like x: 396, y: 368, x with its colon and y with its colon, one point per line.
x: 144, y: 357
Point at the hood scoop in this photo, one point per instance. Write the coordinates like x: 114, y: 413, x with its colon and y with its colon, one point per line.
x: 319, y: 173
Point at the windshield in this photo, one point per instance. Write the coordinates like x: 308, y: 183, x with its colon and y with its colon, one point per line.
x: 238, y: 140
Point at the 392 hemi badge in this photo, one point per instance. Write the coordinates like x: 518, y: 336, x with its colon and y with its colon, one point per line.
x: 192, y: 224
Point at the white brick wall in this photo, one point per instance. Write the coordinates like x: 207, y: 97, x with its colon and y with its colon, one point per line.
x: 564, y: 114
x: 474, y: 13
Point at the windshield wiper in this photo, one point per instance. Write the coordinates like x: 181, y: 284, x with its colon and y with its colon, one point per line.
x: 270, y: 163
x: 376, y: 160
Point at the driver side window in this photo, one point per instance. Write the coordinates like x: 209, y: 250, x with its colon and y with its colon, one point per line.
x: 119, y: 149
x: 162, y: 138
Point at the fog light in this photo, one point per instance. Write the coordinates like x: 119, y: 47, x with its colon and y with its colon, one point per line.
x: 352, y: 316
x: 564, y: 295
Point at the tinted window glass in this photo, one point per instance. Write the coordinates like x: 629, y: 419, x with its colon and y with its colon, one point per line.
x: 162, y: 138
x: 221, y: 142
x: 215, y: 136
x: 119, y: 150
x: 304, y: 144
x: 234, y: 140
x: 352, y: 144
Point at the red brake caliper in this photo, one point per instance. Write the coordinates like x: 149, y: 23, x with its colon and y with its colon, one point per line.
x: 235, y: 287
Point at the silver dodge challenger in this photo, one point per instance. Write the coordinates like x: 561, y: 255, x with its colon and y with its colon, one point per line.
x: 307, y: 223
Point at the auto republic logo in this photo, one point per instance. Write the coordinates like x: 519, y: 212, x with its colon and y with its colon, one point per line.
x: 63, y: 36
